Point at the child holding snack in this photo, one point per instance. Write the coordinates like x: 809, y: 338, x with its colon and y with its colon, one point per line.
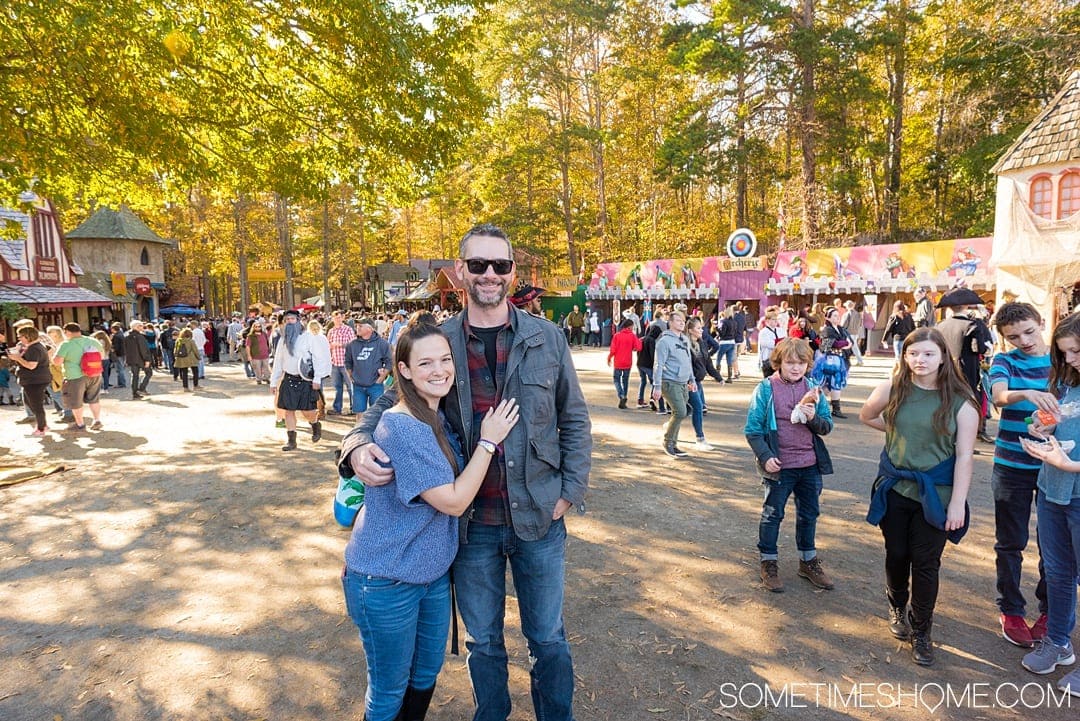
x: 788, y: 415
x: 1057, y: 505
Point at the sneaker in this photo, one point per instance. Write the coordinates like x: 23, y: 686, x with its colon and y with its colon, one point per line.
x: 673, y: 451
x: 75, y: 428
x: 40, y: 433
x: 1038, y: 629
x: 1070, y: 683
x: 25, y: 420
x: 95, y: 426
x: 770, y: 577
x: 622, y: 404
x: 703, y: 445
x: 652, y: 405
x: 813, y: 572
x: 1016, y: 631
x: 898, y: 624
x: 642, y: 404
x: 1047, y: 656
x: 985, y: 438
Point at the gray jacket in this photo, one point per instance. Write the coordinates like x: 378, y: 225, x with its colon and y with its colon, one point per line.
x: 548, y: 454
x: 672, y: 360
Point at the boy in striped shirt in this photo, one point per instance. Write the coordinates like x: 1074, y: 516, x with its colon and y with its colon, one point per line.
x: 1018, y: 386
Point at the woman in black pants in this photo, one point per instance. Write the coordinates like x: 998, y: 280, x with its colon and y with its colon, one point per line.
x: 33, y: 373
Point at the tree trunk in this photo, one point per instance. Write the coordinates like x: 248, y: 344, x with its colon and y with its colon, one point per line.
x: 239, y: 208
x: 896, y: 71
x: 806, y: 57
x: 326, y: 255
x: 281, y: 221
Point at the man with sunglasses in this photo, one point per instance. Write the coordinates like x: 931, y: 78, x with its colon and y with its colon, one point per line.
x: 502, y: 352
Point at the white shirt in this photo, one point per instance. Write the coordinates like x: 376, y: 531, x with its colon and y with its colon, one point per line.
x: 317, y: 346
x: 199, y: 337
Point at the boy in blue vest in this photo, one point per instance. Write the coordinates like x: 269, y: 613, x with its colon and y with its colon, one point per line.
x: 1018, y: 386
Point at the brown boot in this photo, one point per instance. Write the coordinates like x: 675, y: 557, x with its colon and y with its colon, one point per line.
x: 813, y: 572
x: 770, y: 577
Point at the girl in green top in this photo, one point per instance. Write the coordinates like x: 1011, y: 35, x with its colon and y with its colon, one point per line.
x: 927, y: 458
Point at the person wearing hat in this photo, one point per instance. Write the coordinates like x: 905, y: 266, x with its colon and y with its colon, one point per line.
x: 400, y: 319
x: 300, y: 364
x: 527, y: 298
x: 968, y: 338
x: 367, y: 363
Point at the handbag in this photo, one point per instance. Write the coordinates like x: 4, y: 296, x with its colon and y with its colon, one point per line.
x: 348, y: 500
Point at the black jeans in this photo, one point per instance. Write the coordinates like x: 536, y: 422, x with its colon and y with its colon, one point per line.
x: 912, y: 551
x: 147, y: 371
x: 35, y: 401
x: 184, y: 375
x: 1013, y: 497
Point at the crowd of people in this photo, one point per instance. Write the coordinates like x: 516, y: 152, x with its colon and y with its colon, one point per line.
x: 473, y: 440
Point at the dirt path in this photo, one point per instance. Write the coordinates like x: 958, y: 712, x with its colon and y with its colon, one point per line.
x: 187, y: 569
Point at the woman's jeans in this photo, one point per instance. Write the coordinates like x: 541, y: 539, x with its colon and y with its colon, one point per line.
x: 805, y: 483
x: 912, y: 551
x: 538, y: 569
x: 1059, y: 536
x: 34, y: 394
x: 622, y: 382
x: 677, y: 397
x: 646, y: 380
x: 727, y: 351
x: 697, y: 411
x: 403, y: 627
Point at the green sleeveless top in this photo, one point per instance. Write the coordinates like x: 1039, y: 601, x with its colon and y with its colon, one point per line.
x: 912, y: 442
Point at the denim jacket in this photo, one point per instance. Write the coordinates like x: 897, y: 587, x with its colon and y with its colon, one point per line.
x: 764, y: 439
x: 548, y: 454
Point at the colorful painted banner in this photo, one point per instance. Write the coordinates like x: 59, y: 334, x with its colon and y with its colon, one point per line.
x: 951, y: 258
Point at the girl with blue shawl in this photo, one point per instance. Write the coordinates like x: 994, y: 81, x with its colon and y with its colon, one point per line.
x: 920, y: 496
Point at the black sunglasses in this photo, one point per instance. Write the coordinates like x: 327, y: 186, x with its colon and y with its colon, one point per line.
x: 479, y: 266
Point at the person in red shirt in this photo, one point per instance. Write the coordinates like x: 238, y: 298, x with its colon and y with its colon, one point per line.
x: 623, y: 346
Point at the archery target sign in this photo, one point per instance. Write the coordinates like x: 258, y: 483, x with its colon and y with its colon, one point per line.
x: 742, y: 243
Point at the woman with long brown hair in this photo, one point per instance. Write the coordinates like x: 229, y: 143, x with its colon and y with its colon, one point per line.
x: 920, y: 495
x: 396, y: 578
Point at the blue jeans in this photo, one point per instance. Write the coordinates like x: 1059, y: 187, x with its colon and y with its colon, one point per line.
x: 106, y: 367
x: 1012, y: 517
x: 121, y: 374
x: 622, y: 382
x: 403, y: 627
x: 538, y: 571
x: 805, y: 483
x: 363, y: 396
x: 1059, y: 531
x: 338, y: 378
x: 646, y: 380
x: 697, y: 408
x: 727, y: 351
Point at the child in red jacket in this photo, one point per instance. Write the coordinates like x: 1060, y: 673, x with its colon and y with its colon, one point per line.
x: 623, y: 346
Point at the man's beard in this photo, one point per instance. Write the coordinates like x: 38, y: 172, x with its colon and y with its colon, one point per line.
x: 488, y: 298
x: 291, y: 332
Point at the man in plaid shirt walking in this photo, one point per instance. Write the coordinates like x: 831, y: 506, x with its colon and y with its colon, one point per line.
x: 340, y: 336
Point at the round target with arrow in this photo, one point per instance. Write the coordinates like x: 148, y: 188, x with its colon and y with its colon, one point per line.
x: 742, y: 243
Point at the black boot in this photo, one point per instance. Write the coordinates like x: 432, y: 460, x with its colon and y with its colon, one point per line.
x: 836, y: 412
x: 622, y: 403
x: 291, y: 445
x: 922, y: 647
x: 316, y: 431
x: 898, y: 624
x: 415, y: 704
